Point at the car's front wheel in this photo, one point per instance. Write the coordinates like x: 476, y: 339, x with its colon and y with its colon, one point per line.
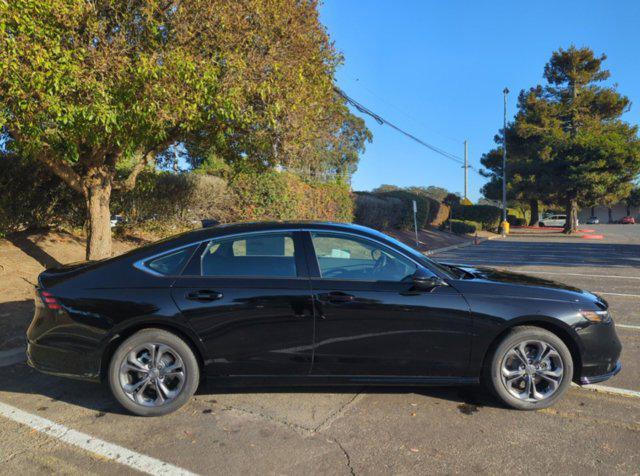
x: 153, y: 372
x: 531, y: 368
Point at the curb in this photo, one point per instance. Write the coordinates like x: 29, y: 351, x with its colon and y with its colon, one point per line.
x: 459, y: 245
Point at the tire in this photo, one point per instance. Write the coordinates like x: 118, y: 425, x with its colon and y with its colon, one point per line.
x: 541, y: 224
x: 515, y: 390
x: 153, y: 390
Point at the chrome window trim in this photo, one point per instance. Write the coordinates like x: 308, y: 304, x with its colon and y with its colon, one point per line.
x: 141, y: 263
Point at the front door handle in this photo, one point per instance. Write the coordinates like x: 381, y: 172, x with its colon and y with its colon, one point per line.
x: 337, y: 296
x: 204, y: 295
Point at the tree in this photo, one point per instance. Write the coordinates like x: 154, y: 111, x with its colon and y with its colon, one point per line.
x: 568, y: 143
x: 95, y: 90
x: 633, y: 200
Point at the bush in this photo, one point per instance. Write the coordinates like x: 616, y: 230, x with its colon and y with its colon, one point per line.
x: 375, y: 211
x: 285, y: 196
x: 487, y: 215
x: 428, y: 208
x: 464, y: 227
x: 33, y: 197
x: 516, y: 221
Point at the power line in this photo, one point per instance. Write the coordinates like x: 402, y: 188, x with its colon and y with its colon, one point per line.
x: 380, y: 120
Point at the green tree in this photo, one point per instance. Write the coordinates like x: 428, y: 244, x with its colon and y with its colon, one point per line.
x: 568, y: 143
x: 96, y: 90
x: 633, y: 200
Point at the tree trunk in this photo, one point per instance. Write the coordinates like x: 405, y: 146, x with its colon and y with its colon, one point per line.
x: 97, y: 196
x: 610, y: 212
x: 535, y: 213
x: 628, y: 210
x: 571, y: 210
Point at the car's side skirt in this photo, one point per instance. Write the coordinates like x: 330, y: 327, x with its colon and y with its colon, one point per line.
x: 324, y: 380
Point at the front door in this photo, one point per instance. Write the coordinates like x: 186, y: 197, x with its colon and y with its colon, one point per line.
x: 370, y: 319
x: 248, y: 298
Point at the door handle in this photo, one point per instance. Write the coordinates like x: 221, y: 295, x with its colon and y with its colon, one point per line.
x: 337, y: 296
x: 204, y: 295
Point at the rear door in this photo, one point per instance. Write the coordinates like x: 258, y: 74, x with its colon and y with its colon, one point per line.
x: 248, y: 298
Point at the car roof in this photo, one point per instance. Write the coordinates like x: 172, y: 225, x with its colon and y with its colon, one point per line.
x: 202, y: 234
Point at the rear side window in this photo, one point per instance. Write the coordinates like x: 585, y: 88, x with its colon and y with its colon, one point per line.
x: 171, y: 263
x: 259, y: 255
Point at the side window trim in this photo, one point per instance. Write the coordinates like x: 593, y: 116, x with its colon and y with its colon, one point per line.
x: 313, y: 257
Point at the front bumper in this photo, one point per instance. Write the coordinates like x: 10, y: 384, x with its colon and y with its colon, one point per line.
x: 601, y: 378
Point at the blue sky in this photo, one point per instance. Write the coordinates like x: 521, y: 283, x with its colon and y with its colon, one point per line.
x: 438, y: 68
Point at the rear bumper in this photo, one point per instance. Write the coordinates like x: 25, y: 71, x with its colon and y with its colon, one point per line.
x: 601, y: 378
x: 63, y: 362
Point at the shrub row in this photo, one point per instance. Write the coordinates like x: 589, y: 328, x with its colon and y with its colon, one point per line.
x: 487, y: 215
x: 394, y: 209
x: 464, y: 227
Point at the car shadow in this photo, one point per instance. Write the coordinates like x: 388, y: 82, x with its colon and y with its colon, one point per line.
x: 23, y: 380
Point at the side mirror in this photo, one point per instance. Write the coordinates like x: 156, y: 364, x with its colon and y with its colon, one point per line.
x: 426, y: 281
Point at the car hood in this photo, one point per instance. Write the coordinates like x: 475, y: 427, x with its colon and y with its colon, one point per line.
x: 483, y: 279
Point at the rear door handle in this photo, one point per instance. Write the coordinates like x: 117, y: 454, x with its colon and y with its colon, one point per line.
x: 337, y: 296
x: 204, y: 295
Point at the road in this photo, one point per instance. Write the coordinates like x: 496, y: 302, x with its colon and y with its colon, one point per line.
x: 355, y: 430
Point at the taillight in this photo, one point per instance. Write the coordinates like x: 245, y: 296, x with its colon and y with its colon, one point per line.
x: 50, y: 300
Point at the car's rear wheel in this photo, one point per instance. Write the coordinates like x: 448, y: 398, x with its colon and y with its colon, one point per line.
x: 153, y: 372
x: 531, y: 368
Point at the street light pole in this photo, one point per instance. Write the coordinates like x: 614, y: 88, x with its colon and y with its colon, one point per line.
x: 504, y: 163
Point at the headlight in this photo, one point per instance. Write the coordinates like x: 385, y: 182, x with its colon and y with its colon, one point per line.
x: 596, y: 316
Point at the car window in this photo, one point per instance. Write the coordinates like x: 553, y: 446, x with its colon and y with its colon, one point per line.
x: 261, y: 255
x: 172, y: 262
x: 341, y: 257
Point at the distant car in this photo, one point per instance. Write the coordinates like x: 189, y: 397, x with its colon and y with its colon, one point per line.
x: 628, y: 221
x: 554, y: 220
x: 593, y: 221
x: 116, y: 220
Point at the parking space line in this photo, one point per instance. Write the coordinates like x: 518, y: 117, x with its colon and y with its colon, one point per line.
x: 12, y: 356
x: 610, y: 390
x: 104, y: 449
x: 618, y: 294
x: 628, y: 326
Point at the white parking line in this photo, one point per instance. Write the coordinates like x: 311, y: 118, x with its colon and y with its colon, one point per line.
x: 619, y: 294
x: 104, y: 449
x: 611, y: 390
x: 12, y: 356
x: 627, y: 326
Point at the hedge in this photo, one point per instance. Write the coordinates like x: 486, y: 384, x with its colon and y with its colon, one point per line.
x: 375, y: 211
x: 464, y: 227
x: 487, y: 215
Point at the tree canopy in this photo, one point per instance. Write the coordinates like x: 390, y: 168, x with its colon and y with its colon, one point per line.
x: 95, y: 90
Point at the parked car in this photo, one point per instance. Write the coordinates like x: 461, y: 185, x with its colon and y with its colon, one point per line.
x: 116, y: 220
x: 593, y: 221
x: 553, y: 220
x: 628, y: 220
x: 312, y: 303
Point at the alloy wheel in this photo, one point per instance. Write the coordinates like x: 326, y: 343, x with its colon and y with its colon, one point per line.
x: 152, y: 374
x: 532, y: 371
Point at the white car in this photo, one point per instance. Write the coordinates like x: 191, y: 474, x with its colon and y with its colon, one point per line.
x: 554, y: 220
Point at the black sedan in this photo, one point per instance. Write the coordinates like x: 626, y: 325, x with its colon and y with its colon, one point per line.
x: 312, y: 303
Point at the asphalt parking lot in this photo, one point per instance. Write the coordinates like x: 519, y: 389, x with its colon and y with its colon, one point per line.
x: 56, y: 425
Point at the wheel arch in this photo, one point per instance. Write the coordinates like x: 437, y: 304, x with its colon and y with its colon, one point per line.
x: 562, y: 331
x: 122, y: 334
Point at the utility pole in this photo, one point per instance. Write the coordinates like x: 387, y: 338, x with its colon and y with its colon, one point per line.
x: 466, y: 169
x: 504, y: 164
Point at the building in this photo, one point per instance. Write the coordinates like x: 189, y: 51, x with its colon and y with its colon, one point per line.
x: 608, y: 214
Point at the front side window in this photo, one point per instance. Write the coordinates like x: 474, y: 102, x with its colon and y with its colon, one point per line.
x: 259, y: 255
x: 341, y: 257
